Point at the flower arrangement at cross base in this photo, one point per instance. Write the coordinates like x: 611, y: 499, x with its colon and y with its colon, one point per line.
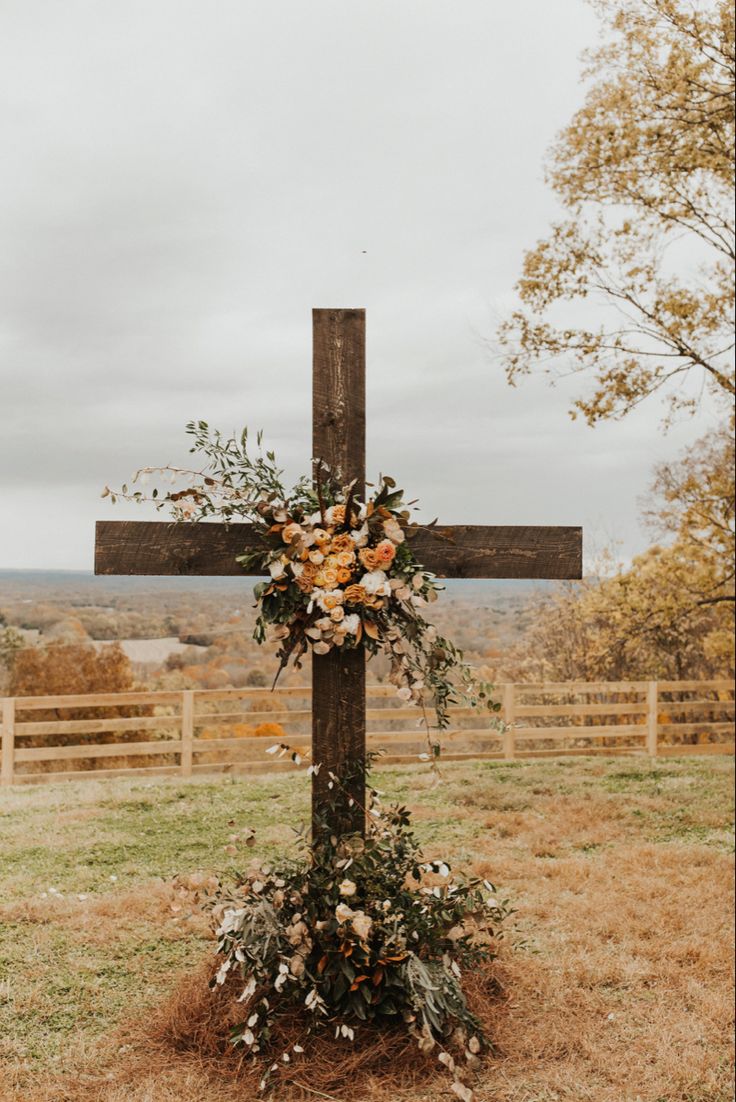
x: 341, y: 572
x: 359, y: 930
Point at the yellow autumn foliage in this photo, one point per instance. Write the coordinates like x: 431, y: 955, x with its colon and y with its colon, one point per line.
x: 633, y: 287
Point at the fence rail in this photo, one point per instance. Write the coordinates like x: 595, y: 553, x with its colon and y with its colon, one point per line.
x: 539, y: 719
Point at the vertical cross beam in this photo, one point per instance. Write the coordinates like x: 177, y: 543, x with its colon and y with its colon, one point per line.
x: 338, y: 678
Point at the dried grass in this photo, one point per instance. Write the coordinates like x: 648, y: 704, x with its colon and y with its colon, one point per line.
x: 618, y: 981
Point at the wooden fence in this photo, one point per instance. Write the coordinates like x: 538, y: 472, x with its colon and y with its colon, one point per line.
x: 186, y: 728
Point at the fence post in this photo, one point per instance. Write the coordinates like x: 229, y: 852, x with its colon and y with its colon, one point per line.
x: 187, y: 731
x: 8, y: 744
x: 509, y: 696
x: 652, y: 707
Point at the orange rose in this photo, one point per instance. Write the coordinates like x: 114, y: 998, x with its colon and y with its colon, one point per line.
x: 338, y: 514
x: 330, y: 577
x: 385, y: 552
x: 343, y: 575
x: 345, y: 558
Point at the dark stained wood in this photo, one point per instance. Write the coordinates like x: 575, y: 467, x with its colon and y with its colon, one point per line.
x: 454, y: 551
x: 338, y: 678
x: 338, y: 740
x: 338, y: 392
x: 500, y: 551
x: 168, y: 548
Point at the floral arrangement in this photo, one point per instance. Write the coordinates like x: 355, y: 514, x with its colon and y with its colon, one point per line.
x: 341, y: 572
x: 361, y: 930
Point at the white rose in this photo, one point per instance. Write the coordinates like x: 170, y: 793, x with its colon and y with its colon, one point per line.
x: 343, y: 913
x: 351, y: 623
x: 347, y: 888
x: 376, y: 584
x: 276, y: 569
x: 360, y: 536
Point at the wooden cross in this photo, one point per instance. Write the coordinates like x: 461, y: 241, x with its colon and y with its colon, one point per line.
x: 338, y: 438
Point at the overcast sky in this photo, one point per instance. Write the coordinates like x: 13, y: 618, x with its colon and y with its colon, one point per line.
x: 183, y: 181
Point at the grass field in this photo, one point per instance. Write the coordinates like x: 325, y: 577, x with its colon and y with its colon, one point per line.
x: 616, y: 967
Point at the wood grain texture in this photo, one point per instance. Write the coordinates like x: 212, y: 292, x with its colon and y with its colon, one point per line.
x: 338, y: 392
x: 451, y: 551
x: 500, y: 551
x: 338, y: 678
x: 338, y: 738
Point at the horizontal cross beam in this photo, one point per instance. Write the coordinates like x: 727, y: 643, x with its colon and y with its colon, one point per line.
x: 456, y: 551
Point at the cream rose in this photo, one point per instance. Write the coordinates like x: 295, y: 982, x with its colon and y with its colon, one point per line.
x: 393, y: 530
x: 330, y: 599
x: 361, y: 923
x: 290, y: 532
x: 276, y: 569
